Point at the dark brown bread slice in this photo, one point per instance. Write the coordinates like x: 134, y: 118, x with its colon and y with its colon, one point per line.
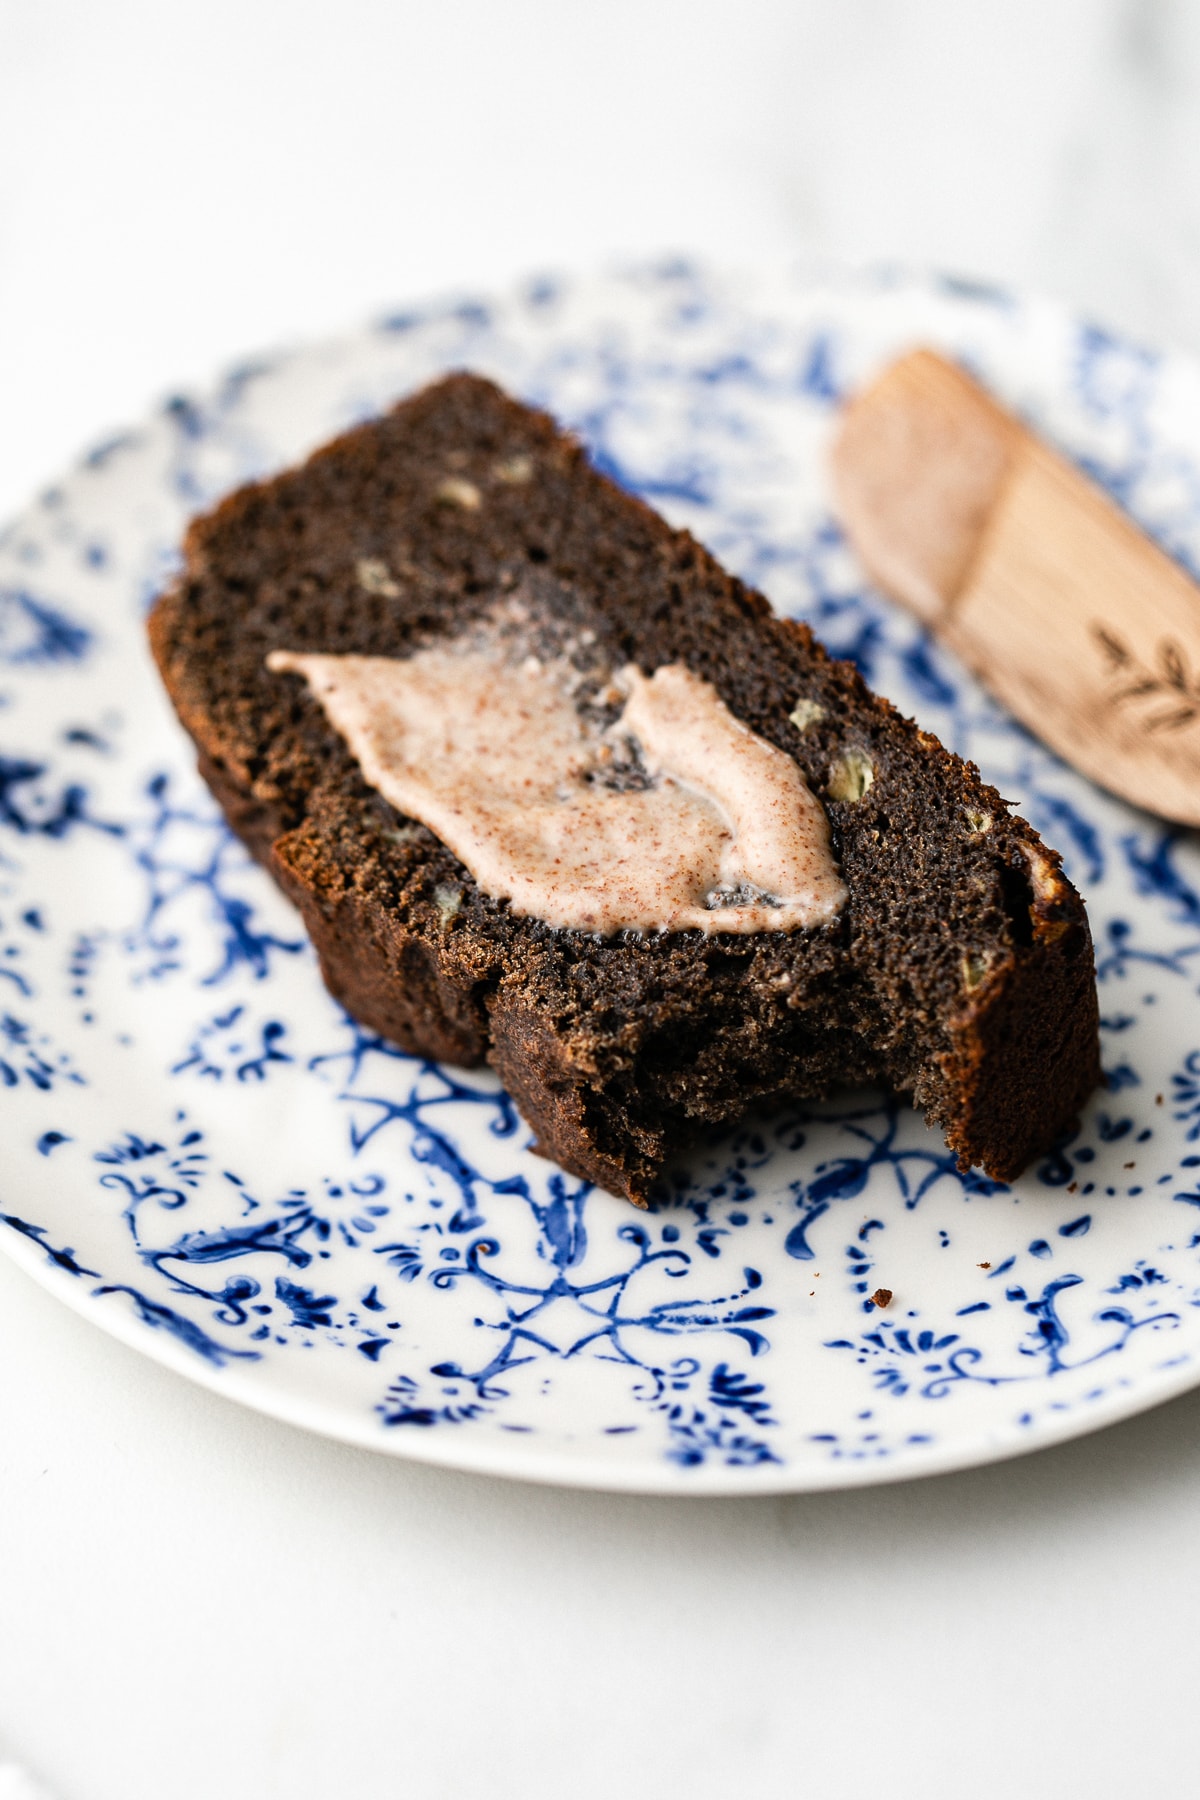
x: 960, y: 970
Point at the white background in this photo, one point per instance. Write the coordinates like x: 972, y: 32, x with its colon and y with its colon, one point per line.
x: 200, y: 1604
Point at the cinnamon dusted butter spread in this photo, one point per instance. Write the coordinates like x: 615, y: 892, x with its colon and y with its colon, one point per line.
x: 496, y: 757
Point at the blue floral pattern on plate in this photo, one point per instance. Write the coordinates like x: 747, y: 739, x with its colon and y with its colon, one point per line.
x: 204, y: 1154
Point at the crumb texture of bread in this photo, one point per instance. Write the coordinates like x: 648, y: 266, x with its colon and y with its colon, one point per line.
x: 959, y: 971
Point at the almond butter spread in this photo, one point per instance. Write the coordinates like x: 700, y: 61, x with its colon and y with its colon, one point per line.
x: 497, y: 758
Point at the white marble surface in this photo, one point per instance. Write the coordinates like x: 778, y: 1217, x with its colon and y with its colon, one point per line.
x: 195, y: 1602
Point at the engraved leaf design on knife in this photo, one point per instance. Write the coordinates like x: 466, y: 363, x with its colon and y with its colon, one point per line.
x: 1135, y: 681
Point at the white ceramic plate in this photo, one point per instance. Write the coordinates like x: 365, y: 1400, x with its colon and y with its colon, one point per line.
x: 206, y: 1156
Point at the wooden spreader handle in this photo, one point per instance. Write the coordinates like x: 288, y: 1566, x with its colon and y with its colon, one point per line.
x: 1068, y: 613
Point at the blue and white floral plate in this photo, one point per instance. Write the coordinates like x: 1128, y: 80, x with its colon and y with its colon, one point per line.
x: 205, y: 1155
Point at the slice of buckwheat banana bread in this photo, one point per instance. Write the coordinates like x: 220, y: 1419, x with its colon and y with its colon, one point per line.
x: 959, y: 971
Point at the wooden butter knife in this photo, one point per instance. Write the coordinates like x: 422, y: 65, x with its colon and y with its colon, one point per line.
x: 1068, y: 613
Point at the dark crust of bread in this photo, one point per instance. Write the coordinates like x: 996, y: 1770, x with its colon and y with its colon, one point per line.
x: 960, y: 970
